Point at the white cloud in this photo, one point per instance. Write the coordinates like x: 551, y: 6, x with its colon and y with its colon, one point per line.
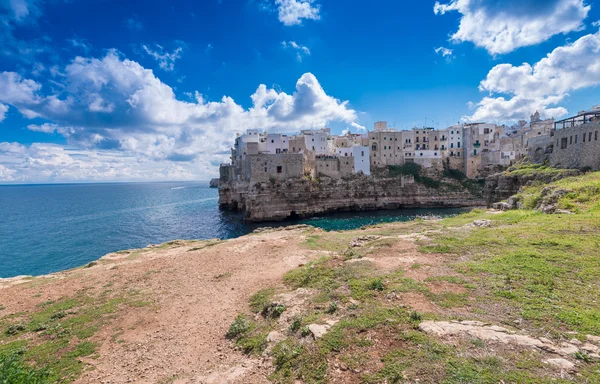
x: 19, y: 10
x: 291, y: 12
x: 165, y: 60
x: 503, y: 26
x: 596, y: 23
x: 50, y: 162
x: 116, y: 105
x: 358, y: 126
x: 542, y: 86
x: 3, y: 110
x: 444, y: 51
x: 46, y: 128
x: 301, y: 50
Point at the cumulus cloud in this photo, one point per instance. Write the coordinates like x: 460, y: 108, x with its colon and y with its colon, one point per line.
x: 291, y: 12
x: 50, y: 162
x: 3, y: 110
x: 501, y: 26
x: 520, y: 90
x: 301, y: 50
x: 115, y: 104
x: 165, y: 60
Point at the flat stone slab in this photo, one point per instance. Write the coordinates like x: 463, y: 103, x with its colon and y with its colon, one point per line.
x: 495, y: 334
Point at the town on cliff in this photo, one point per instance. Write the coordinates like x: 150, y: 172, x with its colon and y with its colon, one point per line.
x: 268, y: 170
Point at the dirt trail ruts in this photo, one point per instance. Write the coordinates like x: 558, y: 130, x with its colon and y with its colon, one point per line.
x: 196, y: 294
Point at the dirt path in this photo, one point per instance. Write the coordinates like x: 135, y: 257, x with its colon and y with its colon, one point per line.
x: 179, y: 338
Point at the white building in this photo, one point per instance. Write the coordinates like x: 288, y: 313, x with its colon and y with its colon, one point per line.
x: 316, y: 140
x: 361, y: 155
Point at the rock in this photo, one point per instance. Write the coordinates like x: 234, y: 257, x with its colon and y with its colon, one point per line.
x: 275, y: 337
x: 318, y: 330
x: 575, y: 342
x: 589, y: 348
x: 563, y: 212
x: 567, y: 349
x: 547, y: 209
x: 593, y: 339
x: 494, y: 333
x: 560, y: 363
x: 512, y: 202
x: 362, y: 240
x: 214, y: 183
x: 482, y: 223
x: 501, y: 206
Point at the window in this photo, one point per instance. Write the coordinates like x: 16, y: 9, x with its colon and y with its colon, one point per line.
x: 474, y: 152
x: 265, y: 169
x: 596, y: 135
x: 443, y: 147
x: 278, y: 150
x: 570, y: 139
x: 563, y: 143
x: 584, y: 137
x: 451, y: 145
x: 458, y: 145
x: 272, y: 141
x: 590, y: 136
x: 417, y: 139
x: 362, y: 153
x: 279, y: 169
x: 421, y: 153
x: 576, y: 139
x: 313, y: 147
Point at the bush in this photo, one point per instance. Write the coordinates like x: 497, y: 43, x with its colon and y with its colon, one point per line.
x: 240, y: 326
x: 454, y: 173
x: 404, y: 170
x: 376, y: 285
x: 13, y: 371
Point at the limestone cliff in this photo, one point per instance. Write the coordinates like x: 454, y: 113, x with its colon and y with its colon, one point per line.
x: 303, y: 197
x: 503, y: 185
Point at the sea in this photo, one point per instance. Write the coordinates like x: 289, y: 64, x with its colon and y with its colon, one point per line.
x: 49, y: 228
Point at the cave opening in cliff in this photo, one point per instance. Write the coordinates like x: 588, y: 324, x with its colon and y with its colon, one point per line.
x: 294, y: 216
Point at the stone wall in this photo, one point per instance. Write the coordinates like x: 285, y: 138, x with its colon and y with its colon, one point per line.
x: 303, y: 197
x: 256, y: 168
x: 576, y: 147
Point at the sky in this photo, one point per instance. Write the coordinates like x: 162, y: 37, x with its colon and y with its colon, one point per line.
x: 102, y: 90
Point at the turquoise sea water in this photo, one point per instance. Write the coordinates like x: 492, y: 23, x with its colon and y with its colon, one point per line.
x: 48, y: 228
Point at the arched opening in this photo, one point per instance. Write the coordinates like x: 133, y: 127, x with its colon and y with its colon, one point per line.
x: 294, y: 216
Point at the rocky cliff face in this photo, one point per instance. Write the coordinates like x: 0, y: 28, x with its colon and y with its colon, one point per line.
x: 501, y: 186
x: 305, y: 197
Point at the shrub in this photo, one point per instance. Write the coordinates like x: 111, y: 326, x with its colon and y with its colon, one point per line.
x: 13, y: 371
x: 14, y: 329
x: 333, y: 307
x: 240, y: 326
x: 404, y: 170
x: 376, y: 285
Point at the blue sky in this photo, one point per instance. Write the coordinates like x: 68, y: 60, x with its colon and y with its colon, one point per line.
x: 102, y: 90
